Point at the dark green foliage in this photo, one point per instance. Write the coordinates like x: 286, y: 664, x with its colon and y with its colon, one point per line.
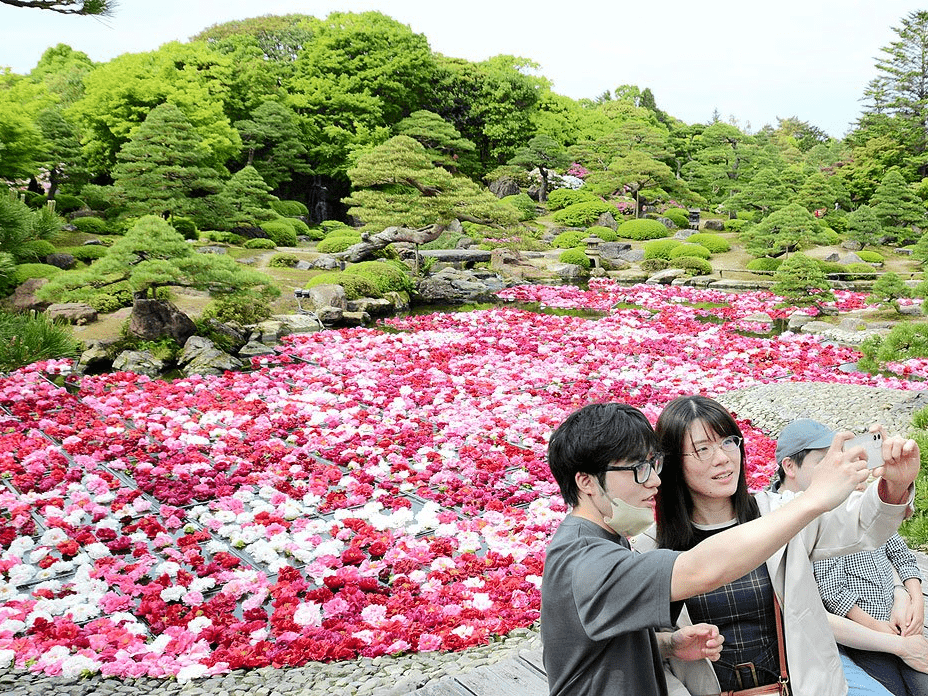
x: 34, y: 200
x: 523, y: 203
x: 863, y: 226
x: 687, y: 249
x: 259, y: 243
x: 65, y: 203
x: 7, y: 273
x: 715, y: 243
x: 887, y: 289
x: 110, y: 300
x: 920, y: 250
x: 281, y: 231
x: 226, y: 237
x: 561, y: 198
x: 576, y: 256
x: 300, y: 227
x: 97, y: 197
x: 870, y: 256
x: 583, y: 214
x: 660, y: 248
x: 569, y: 239
x: 245, y: 308
x: 27, y: 338
x: 737, y: 224
x: 92, y: 225
x: 25, y: 271
x: 249, y: 195
x: 800, y: 281
x: 289, y: 208
x: 607, y: 234
x: 36, y: 250
x: 836, y: 222
x: 654, y: 265
x: 333, y: 245
x: 792, y: 227
x: 186, y: 227
x: 20, y: 225
x: 356, y: 286
x: 386, y: 276
x: 544, y: 154
x: 641, y: 230
x: 283, y: 261
x: 679, y: 217
x: 905, y: 340
x: 692, y: 264
x: 764, y: 263
x: 859, y: 271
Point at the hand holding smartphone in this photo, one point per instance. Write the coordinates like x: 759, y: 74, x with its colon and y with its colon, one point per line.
x: 873, y: 446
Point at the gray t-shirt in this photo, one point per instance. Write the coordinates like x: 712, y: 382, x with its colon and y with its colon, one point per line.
x: 600, y: 604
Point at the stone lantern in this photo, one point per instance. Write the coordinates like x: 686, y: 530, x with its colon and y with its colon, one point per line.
x: 592, y: 249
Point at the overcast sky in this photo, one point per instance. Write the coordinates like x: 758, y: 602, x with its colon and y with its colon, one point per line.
x: 756, y: 61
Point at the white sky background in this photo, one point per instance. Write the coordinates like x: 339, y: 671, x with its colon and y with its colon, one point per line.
x: 752, y: 60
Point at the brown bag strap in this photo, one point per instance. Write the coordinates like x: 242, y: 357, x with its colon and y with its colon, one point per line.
x: 781, y: 643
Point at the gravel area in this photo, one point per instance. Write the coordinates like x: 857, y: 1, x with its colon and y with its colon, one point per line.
x: 769, y: 406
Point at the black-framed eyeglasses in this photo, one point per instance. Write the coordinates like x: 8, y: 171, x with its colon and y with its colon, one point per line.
x: 643, y: 468
x: 704, y: 453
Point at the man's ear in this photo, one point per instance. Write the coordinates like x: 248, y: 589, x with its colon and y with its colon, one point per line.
x: 790, y: 469
x: 586, y: 483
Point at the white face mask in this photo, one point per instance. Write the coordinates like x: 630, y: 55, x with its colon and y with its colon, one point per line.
x: 628, y: 520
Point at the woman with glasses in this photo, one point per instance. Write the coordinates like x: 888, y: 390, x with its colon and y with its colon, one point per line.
x: 704, y: 492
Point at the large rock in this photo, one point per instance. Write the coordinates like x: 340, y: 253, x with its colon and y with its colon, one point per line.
x: 269, y: 332
x: 567, y: 271
x: 152, y: 319
x: 330, y: 316
x: 72, y: 313
x: 632, y: 256
x: 253, y: 349
x: 141, y: 362
x: 300, y: 323
x: 61, y: 260
x: 236, y: 336
x: 667, y: 222
x: 684, y: 233
x: 851, y: 245
x: 613, y: 250
x: 462, y: 257
x: 95, y: 358
x: 200, y: 356
x: 374, y: 306
x: 607, y: 220
x: 455, y: 286
x: 399, y: 300
x: 505, y: 186
x: 714, y: 225
x: 851, y: 257
x: 666, y: 277
x: 325, y: 263
x: 356, y: 318
x: 24, y: 299
x: 328, y: 295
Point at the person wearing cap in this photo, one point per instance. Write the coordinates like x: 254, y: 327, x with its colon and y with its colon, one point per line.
x: 704, y: 493
x: 861, y: 586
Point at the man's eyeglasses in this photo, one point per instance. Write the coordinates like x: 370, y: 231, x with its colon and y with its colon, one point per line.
x: 704, y: 453
x: 643, y: 468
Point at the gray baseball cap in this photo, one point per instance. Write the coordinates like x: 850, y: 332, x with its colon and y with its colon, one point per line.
x: 803, y: 434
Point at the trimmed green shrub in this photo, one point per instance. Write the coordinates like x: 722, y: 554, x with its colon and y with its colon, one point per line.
x: 764, y: 263
x: 283, y: 261
x: 576, y: 256
x: 106, y: 302
x: 687, y: 249
x: 386, y: 276
x: 315, y: 233
x: 660, y: 248
x: 906, y: 340
x: 259, y: 243
x: 523, y: 203
x: 65, y: 203
x: 887, y: 290
x: 356, y: 286
x: 36, y: 250
x: 26, y: 338
x: 558, y: 199
x: 245, y: 308
x: 654, y: 265
x: 837, y: 222
x: 331, y: 225
x: 569, y: 239
x: 86, y: 253
x: 186, y: 227
x: 224, y: 237
x: 693, y: 265
x: 607, y: 234
x: 289, y: 208
x: 583, y: 214
x: 715, y: 243
x: 281, y: 231
x: 342, y: 231
x: 679, y: 217
x: 300, y: 227
x: 749, y: 215
x: 446, y: 240
x: 333, y: 245
x: 25, y: 271
x: 642, y: 229
x: 831, y: 267
x: 870, y: 256
x: 859, y: 271
x: 34, y: 200
x: 736, y: 225
x: 92, y: 225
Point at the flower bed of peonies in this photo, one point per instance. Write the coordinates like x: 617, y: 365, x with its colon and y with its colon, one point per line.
x: 363, y: 492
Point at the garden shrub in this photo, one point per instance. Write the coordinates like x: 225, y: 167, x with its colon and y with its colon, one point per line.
x: 186, y: 227
x: 7, y: 273
x: 887, y: 290
x: 576, y: 256
x: 607, y: 234
x: 25, y: 271
x: 34, y: 200
x: 27, y: 338
x: 692, y: 264
x: 289, y: 208
x: 678, y: 216
x: 523, y: 203
x: 583, y: 214
x: 446, y: 240
x: 837, y: 222
x: 736, y: 225
x: 224, y: 237
x: 111, y: 300
x: 332, y: 225
x: 356, y: 286
x: 300, y: 227
x: 35, y: 250
x: 333, y: 245
x: 563, y: 197
x: 65, y: 203
x: 315, y: 233
x: 859, y: 271
x: 660, y: 248
x: 97, y: 197
x: 831, y: 267
x: 870, y: 256
x: 386, y: 276
x: 654, y: 265
x: 642, y: 230
x: 281, y: 231
x: 342, y: 231
x: 244, y: 308
x: 687, y: 249
x: 828, y: 237
x: 283, y: 261
x: 715, y: 243
x: 904, y: 341
x: 749, y: 215
x: 764, y: 263
x: 92, y: 225
x: 259, y: 243
x: 569, y: 239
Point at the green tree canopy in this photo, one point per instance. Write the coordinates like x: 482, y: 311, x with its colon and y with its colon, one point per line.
x: 440, y: 138
x: 896, y: 205
x: 248, y: 194
x: 802, y: 282
x: 273, y: 143
x: 863, y: 226
x: 789, y: 228
x: 20, y: 226
x: 545, y: 154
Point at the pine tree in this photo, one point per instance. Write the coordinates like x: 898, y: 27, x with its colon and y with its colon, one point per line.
x: 545, y: 154
x: 896, y: 206
x: 248, y: 194
x: 800, y: 281
x: 863, y: 226
x: 888, y: 289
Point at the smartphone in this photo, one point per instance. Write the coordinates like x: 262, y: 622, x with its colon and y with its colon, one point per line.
x: 873, y: 446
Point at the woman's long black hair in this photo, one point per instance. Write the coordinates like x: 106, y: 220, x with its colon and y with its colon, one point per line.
x: 674, y: 503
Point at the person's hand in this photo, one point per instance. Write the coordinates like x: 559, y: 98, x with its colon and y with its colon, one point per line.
x: 900, y: 618
x: 890, y: 627
x: 913, y: 650
x: 838, y: 474
x: 901, y: 462
x: 917, y: 620
x: 697, y: 642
